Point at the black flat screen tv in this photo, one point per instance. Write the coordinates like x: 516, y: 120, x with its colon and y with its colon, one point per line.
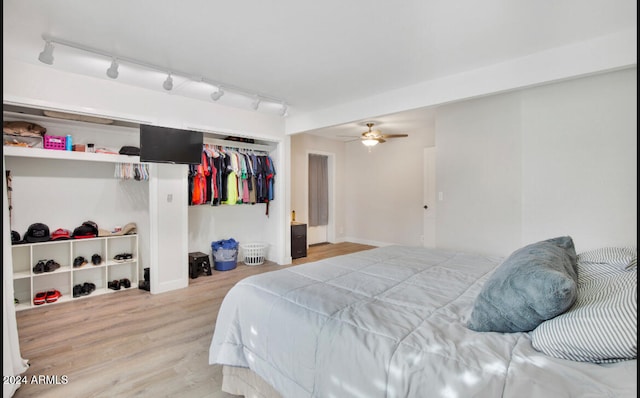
x: 170, y: 145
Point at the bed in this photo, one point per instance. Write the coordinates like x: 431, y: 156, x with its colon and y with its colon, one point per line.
x: 395, y: 321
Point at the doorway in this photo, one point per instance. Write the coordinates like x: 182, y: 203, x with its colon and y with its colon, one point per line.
x: 320, y: 201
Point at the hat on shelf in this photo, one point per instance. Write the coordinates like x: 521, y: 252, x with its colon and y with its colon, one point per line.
x: 129, y: 150
x: 61, y: 234
x: 92, y: 225
x: 37, y: 232
x: 130, y: 228
x: 15, y: 238
x: 83, y: 232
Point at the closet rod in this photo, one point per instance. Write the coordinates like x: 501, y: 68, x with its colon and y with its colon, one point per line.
x: 210, y: 134
x: 237, y: 144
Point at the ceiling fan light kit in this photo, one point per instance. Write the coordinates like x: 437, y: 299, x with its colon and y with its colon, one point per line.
x: 370, y: 142
x: 371, y: 137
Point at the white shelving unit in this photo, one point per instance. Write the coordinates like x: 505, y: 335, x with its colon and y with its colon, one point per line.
x: 68, y: 155
x: 27, y: 283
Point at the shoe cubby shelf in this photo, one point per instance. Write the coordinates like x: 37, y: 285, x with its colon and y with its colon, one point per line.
x: 27, y: 282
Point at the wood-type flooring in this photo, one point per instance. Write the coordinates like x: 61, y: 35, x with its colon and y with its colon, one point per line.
x: 133, y: 343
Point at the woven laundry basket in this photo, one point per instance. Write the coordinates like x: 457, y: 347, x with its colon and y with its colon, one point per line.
x: 254, y: 253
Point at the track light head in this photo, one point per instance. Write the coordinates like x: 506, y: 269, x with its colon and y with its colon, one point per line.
x: 168, y: 83
x: 217, y: 94
x: 46, y: 56
x: 112, y: 72
x: 256, y: 103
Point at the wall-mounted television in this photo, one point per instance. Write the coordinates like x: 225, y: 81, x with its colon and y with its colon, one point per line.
x: 170, y: 145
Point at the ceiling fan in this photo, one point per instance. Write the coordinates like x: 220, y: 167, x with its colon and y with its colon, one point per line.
x: 374, y: 137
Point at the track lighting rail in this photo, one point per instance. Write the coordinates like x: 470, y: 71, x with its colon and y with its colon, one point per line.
x: 46, y: 56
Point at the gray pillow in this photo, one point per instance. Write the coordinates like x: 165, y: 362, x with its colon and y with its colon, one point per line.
x: 535, y: 283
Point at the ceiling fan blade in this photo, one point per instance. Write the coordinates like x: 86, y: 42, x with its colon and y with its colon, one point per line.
x: 380, y: 140
x: 394, y: 135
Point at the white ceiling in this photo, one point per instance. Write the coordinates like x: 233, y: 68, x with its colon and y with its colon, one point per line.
x: 311, y: 54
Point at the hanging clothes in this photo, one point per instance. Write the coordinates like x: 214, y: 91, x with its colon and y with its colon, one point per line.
x: 231, y: 176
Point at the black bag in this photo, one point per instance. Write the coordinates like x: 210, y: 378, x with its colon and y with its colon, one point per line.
x: 130, y: 150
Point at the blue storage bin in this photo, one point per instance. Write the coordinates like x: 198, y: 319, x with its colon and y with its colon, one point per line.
x: 225, y: 254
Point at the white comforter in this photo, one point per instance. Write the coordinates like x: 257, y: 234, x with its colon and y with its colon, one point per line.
x: 389, y: 322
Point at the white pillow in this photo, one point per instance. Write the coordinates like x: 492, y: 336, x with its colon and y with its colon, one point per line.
x: 601, y: 326
x: 623, y: 257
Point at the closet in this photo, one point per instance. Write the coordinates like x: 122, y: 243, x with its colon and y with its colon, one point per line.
x: 214, y: 218
x: 65, y: 188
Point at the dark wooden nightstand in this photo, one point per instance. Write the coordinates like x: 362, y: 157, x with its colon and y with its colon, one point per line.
x: 298, y: 240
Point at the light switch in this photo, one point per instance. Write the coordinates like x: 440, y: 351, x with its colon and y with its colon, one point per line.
x: 440, y: 196
x: 170, y: 198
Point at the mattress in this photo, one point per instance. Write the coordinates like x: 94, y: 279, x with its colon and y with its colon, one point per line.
x: 390, y: 322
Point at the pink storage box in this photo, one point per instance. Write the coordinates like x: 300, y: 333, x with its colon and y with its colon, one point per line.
x: 55, y: 142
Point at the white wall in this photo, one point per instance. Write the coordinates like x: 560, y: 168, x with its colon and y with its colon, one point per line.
x: 559, y: 159
x: 168, y: 227
x: 478, y: 174
x: 579, y: 161
x: 383, y: 189
x: 66, y: 193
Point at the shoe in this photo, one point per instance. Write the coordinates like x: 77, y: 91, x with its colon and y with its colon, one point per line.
x: 51, y: 266
x: 96, y: 259
x: 52, y: 296
x: 144, y: 285
x: 126, y: 283
x: 40, y: 298
x: 79, y: 262
x: 115, y: 285
x: 88, y: 288
x: 39, y: 267
x: 123, y: 257
x: 77, y: 291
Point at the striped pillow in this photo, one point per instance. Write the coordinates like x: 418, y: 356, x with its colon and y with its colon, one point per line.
x: 601, y: 326
x: 623, y: 257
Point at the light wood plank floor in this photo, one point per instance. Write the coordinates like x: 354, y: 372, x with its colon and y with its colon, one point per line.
x: 135, y: 344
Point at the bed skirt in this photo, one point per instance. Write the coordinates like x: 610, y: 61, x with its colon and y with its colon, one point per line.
x: 243, y: 381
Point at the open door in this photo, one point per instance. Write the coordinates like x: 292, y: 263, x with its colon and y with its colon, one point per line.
x: 429, y: 198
